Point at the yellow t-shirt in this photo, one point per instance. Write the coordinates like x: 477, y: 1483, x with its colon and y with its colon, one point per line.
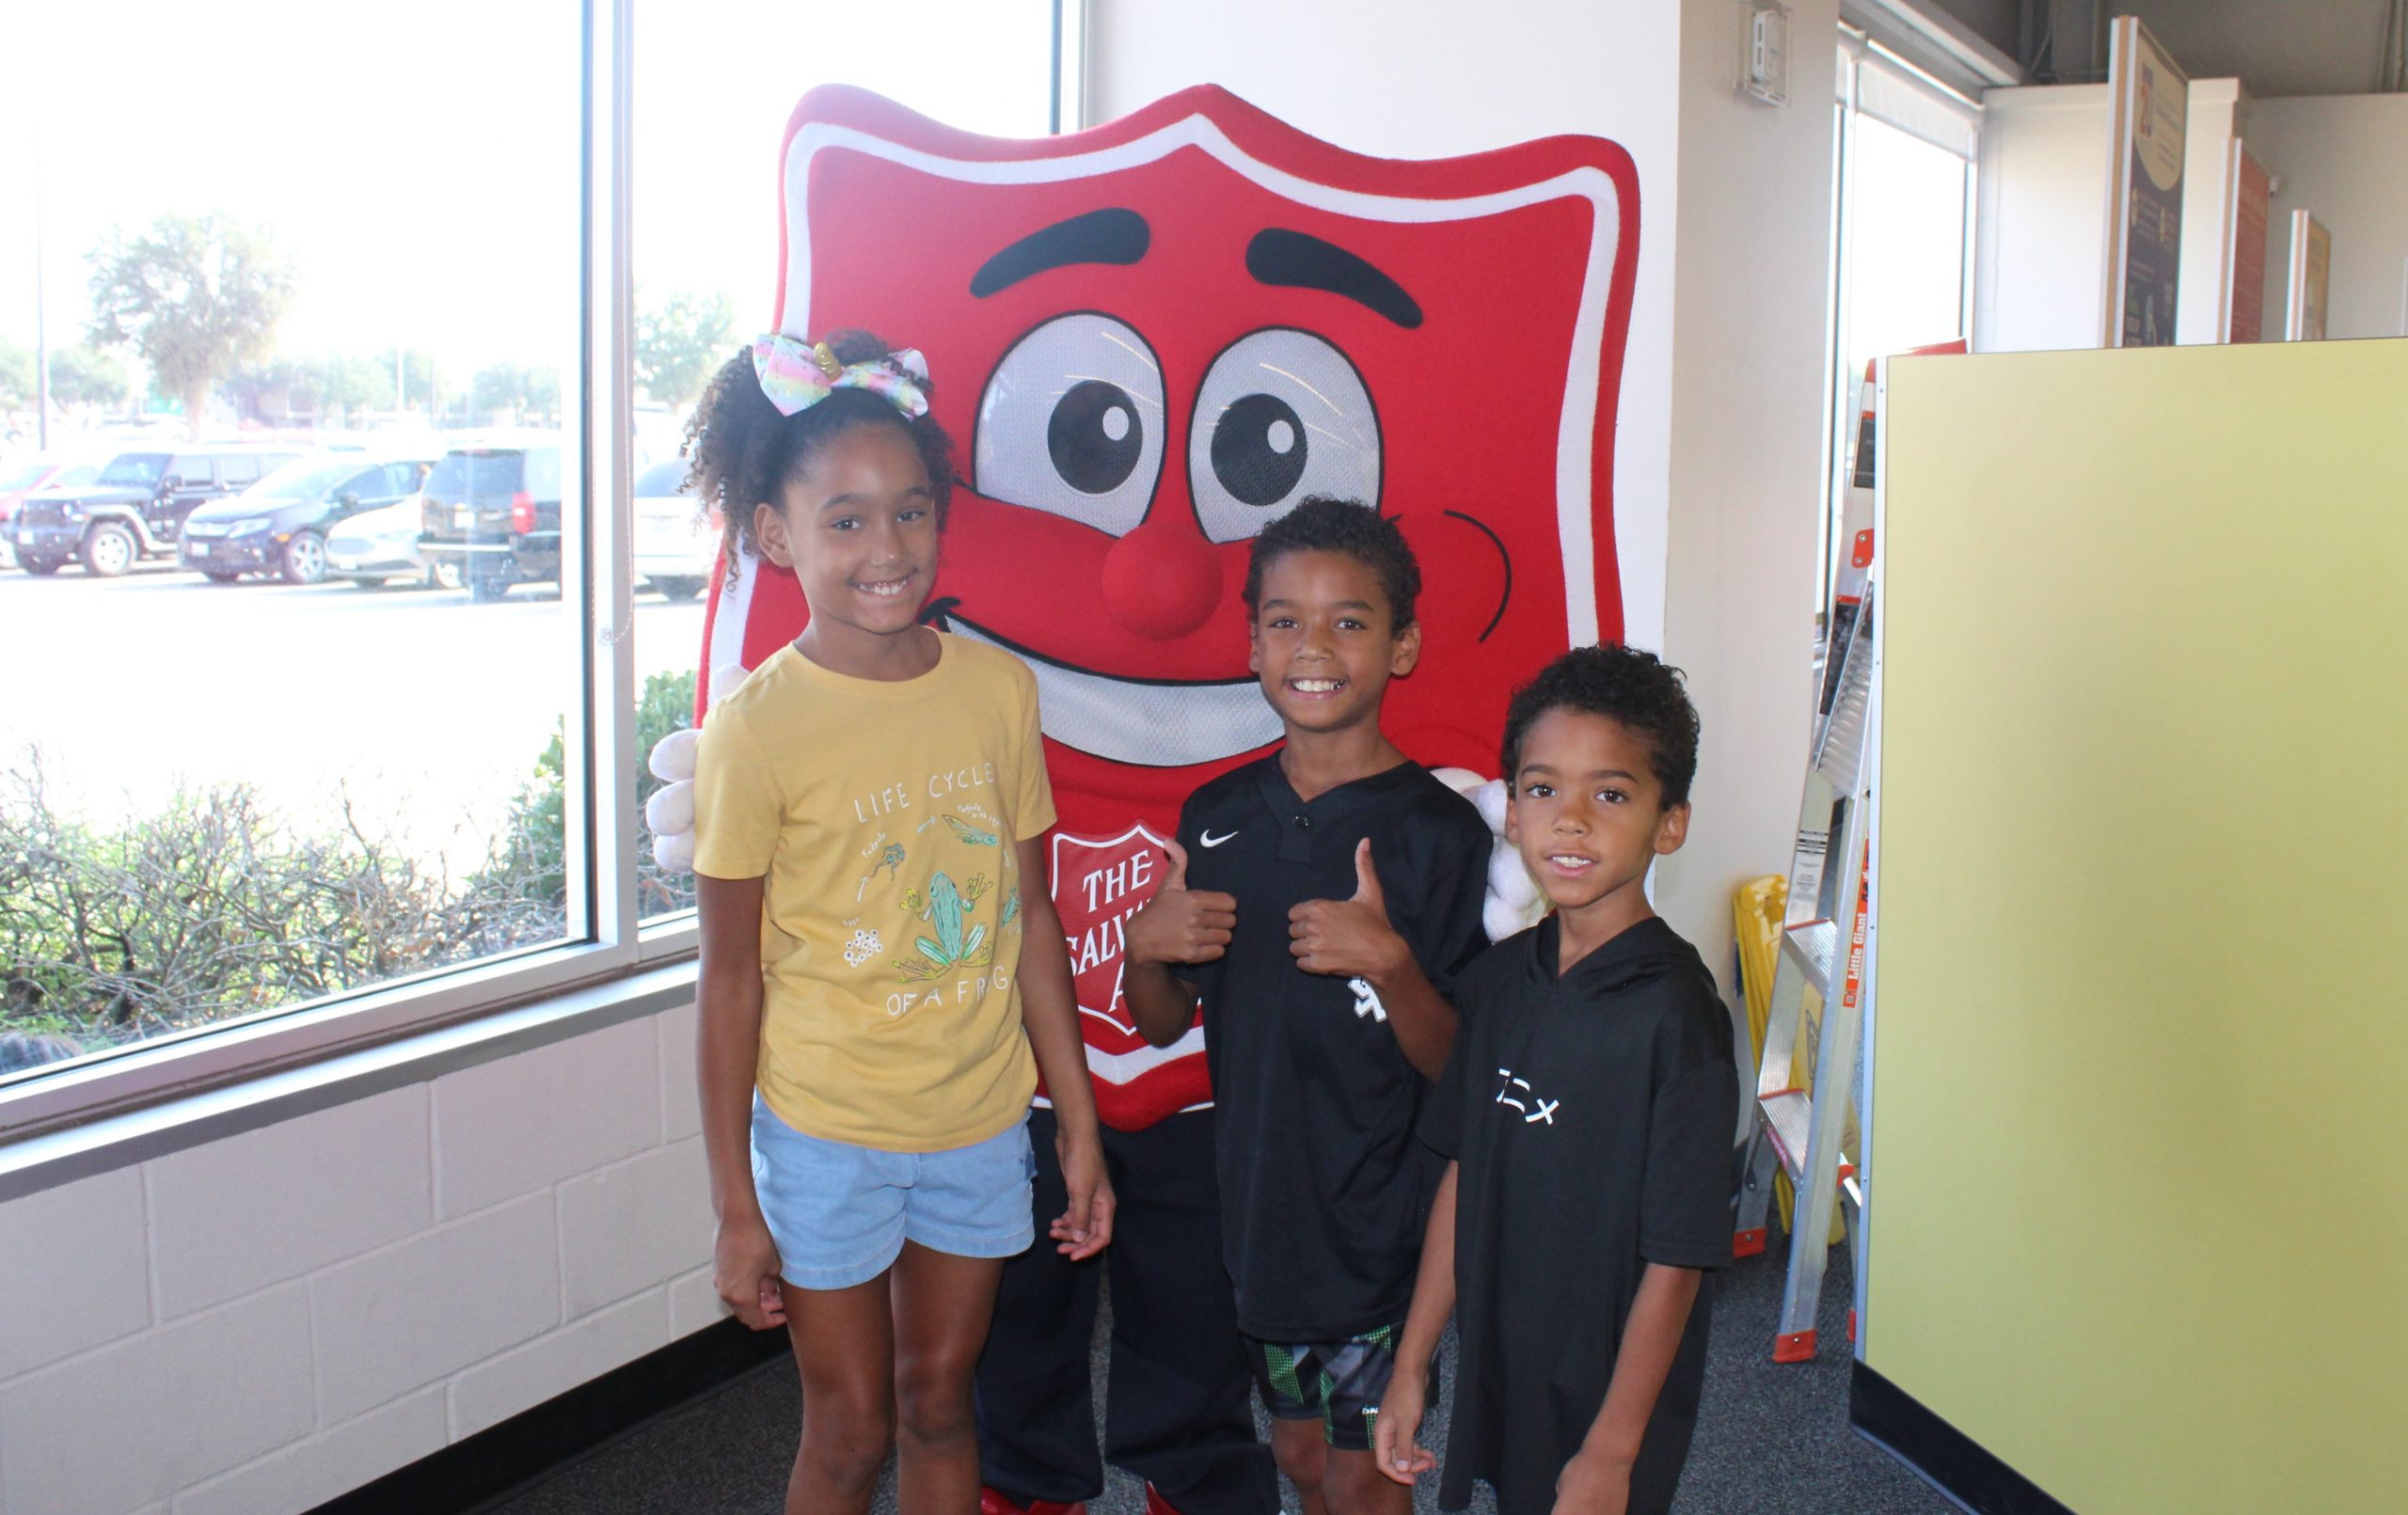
x: 884, y: 817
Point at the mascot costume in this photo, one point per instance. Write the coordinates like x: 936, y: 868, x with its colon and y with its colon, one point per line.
x: 1150, y: 339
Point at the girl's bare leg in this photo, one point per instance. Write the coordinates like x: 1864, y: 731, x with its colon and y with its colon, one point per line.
x: 844, y: 1344
x: 942, y: 1307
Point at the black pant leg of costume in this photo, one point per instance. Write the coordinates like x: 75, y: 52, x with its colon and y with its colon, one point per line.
x: 1034, y: 1397
x: 1179, y: 1413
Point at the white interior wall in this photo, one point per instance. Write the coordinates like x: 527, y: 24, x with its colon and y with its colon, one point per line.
x: 2041, y: 221
x: 256, y: 1325
x: 2219, y: 109
x: 2345, y: 160
x: 1751, y: 308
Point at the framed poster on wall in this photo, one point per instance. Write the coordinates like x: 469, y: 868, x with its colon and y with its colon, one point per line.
x: 2150, y: 106
x: 2311, y: 280
x: 2241, y: 312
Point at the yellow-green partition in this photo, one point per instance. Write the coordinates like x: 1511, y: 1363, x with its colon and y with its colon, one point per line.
x: 2139, y: 1209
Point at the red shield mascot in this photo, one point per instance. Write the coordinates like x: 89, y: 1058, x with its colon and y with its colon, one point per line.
x: 1158, y: 335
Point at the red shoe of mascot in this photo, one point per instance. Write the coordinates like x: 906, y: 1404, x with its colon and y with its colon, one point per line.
x: 1153, y: 337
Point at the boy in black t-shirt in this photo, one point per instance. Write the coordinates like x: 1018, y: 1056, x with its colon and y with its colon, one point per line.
x: 1319, y: 901
x: 1587, y: 1114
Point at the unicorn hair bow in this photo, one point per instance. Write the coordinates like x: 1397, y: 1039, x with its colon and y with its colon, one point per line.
x: 796, y: 375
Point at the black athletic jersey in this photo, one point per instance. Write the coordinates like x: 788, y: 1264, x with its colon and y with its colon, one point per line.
x: 1325, y: 1189
x: 1592, y: 1117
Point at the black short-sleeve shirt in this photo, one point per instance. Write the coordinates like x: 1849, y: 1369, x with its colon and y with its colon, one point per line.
x: 1592, y: 1117
x: 1325, y: 1190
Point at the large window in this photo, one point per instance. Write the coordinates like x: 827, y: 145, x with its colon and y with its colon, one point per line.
x: 331, y: 680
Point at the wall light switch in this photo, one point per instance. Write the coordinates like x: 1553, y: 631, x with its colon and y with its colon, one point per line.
x: 1763, y: 51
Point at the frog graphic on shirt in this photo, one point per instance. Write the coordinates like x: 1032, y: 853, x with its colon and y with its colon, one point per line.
x: 944, y: 908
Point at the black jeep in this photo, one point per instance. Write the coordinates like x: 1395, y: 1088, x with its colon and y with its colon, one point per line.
x: 493, y: 510
x: 134, y: 509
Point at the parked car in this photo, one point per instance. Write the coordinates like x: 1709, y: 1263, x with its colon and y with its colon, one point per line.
x: 492, y: 508
x: 26, y: 475
x: 378, y: 549
x: 136, y: 507
x: 279, y: 525
x: 675, y: 545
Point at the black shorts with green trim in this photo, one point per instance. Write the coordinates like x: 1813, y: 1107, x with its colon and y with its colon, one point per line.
x: 1338, y: 1383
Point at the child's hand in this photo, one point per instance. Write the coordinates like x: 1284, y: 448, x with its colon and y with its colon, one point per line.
x: 1085, y: 1228
x: 1395, y: 1443
x: 744, y: 1269
x: 1180, y: 924
x: 1349, y: 937
x: 1593, y: 1485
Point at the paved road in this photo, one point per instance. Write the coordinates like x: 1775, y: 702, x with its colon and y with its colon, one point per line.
x: 422, y: 708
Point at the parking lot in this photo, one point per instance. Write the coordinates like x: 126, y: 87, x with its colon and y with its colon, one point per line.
x: 422, y: 709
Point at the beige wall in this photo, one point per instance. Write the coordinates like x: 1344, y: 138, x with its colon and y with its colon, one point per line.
x: 2139, y: 1051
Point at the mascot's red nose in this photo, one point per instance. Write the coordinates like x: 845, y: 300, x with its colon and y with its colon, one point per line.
x: 1161, y: 581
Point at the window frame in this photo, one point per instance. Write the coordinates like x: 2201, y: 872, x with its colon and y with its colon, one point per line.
x: 608, y: 943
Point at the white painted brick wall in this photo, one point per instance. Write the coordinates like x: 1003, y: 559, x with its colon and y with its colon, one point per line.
x: 74, y: 1271
x: 524, y: 1123
x: 212, y: 1207
x: 303, y: 1308
x: 497, y: 1389
x: 614, y: 1238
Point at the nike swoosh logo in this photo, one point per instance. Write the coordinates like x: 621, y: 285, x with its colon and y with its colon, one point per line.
x: 1211, y: 840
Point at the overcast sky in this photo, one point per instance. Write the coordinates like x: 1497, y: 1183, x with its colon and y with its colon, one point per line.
x: 419, y: 162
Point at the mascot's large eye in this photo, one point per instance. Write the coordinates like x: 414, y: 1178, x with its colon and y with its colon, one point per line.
x: 1282, y: 415
x: 1071, y: 422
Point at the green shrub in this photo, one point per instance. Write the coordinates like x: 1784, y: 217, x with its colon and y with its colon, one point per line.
x: 214, y: 908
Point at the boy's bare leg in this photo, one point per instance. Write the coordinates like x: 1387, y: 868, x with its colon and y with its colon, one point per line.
x: 1334, y: 1480
x: 844, y: 1345
x: 1353, y: 1485
x: 943, y: 1304
x: 1303, y: 1455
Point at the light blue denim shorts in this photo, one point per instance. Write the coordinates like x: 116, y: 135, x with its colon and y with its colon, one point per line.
x: 841, y: 1213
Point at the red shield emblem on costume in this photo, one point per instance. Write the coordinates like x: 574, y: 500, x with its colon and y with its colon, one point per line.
x: 1096, y: 887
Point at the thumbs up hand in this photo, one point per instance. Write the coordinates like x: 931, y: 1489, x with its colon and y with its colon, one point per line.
x: 1347, y: 937
x: 1180, y: 924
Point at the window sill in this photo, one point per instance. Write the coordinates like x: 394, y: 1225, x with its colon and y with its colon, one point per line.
x: 58, y: 1157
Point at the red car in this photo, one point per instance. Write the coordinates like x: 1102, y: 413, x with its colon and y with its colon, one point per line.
x: 26, y: 474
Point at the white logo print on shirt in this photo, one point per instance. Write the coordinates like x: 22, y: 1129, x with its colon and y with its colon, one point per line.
x: 1367, y: 999
x: 1535, y: 1110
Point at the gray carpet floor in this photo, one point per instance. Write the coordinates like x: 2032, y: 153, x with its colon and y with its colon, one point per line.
x: 1771, y: 1439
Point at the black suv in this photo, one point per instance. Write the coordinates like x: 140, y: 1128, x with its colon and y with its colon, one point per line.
x: 136, y: 509
x: 279, y: 525
x: 492, y: 511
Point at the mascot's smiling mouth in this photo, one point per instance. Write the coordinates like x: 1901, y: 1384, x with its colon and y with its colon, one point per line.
x: 1153, y: 723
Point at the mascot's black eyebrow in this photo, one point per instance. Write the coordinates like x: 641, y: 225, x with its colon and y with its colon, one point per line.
x: 1300, y: 260
x: 1106, y: 236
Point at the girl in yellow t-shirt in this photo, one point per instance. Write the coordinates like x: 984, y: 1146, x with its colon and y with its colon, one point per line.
x: 882, y: 972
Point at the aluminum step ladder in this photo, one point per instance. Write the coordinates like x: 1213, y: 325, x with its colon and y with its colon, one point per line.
x: 1822, y: 949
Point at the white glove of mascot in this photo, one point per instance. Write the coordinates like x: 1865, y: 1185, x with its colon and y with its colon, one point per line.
x: 670, y: 811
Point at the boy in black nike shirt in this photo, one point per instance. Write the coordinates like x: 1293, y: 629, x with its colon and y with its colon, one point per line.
x: 1587, y: 1114
x: 1319, y: 901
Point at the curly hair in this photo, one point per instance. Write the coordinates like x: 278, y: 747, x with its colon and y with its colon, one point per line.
x: 1350, y: 528
x: 744, y: 451
x: 1636, y: 691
